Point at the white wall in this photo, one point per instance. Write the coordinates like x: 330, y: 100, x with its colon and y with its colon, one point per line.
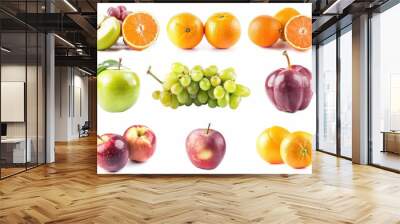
x: 62, y: 81
x: 16, y: 73
x: 69, y: 82
x: 82, y: 82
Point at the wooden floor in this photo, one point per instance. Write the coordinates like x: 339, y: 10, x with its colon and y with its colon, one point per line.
x: 386, y: 159
x: 69, y: 191
x: 5, y: 172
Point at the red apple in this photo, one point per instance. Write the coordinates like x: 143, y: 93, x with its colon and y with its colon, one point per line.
x: 205, y: 148
x: 112, y: 152
x: 142, y: 142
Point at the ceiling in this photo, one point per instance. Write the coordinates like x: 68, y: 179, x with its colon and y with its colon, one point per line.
x: 74, y: 21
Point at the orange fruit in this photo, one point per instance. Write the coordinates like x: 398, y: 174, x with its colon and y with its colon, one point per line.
x: 222, y: 30
x: 269, y: 142
x: 264, y: 31
x: 298, y: 32
x: 140, y: 30
x: 185, y: 30
x: 296, y: 149
x: 284, y: 15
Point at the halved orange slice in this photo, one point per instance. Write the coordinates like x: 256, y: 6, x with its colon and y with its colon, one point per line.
x: 140, y: 30
x: 298, y: 32
x: 284, y: 15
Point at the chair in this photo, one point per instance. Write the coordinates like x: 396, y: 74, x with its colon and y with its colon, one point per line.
x: 84, y: 130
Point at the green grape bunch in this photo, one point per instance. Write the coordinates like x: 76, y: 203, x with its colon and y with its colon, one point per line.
x: 183, y: 87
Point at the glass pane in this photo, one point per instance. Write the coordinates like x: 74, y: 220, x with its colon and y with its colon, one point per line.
x: 346, y: 94
x: 13, y: 86
x: 385, y: 89
x: 23, y: 88
x: 32, y: 87
x: 31, y: 98
x: 314, y: 83
x: 327, y: 97
x: 41, y: 99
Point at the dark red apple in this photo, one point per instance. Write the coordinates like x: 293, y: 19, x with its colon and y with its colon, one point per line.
x: 141, y: 141
x: 289, y: 89
x: 112, y: 152
x: 205, y: 148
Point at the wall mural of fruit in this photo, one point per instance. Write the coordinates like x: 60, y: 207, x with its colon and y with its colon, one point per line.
x: 276, y: 145
x: 290, y: 89
x: 269, y: 144
x: 287, y: 24
x: 117, y: 87
x: 185, y: 30
x: 137, y: 144
x: 140, y: 30
x: 298, y: 32
x: 112, y: 152
x: 222, y: 30
x: 108, y: 32
x: 283, y: 16
x: 197, y: 92
x: 118, y: 12
x: 296, y: 149
x: 200, y: 87
x: 109, y: 27
x: 141, y: 141
x: 205, y: 148
x: 265, y: 30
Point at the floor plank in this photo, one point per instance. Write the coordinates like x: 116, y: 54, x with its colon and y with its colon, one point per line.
x: 69, y: 191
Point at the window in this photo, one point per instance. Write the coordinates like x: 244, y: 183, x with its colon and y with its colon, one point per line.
x: 385, y: 89
x: 22, y: 78
x: 327, y: 96
x: 346, y: 93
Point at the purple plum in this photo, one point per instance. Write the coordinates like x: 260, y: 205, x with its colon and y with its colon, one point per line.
x: 289, y: 89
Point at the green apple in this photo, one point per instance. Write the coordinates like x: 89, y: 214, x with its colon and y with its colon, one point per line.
x: 117, y: 89
x: 108, y: 33
x: 100, y: 19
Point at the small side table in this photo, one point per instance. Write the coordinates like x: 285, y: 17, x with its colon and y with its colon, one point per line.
x: 391, y: 141
x: 16, y: 153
